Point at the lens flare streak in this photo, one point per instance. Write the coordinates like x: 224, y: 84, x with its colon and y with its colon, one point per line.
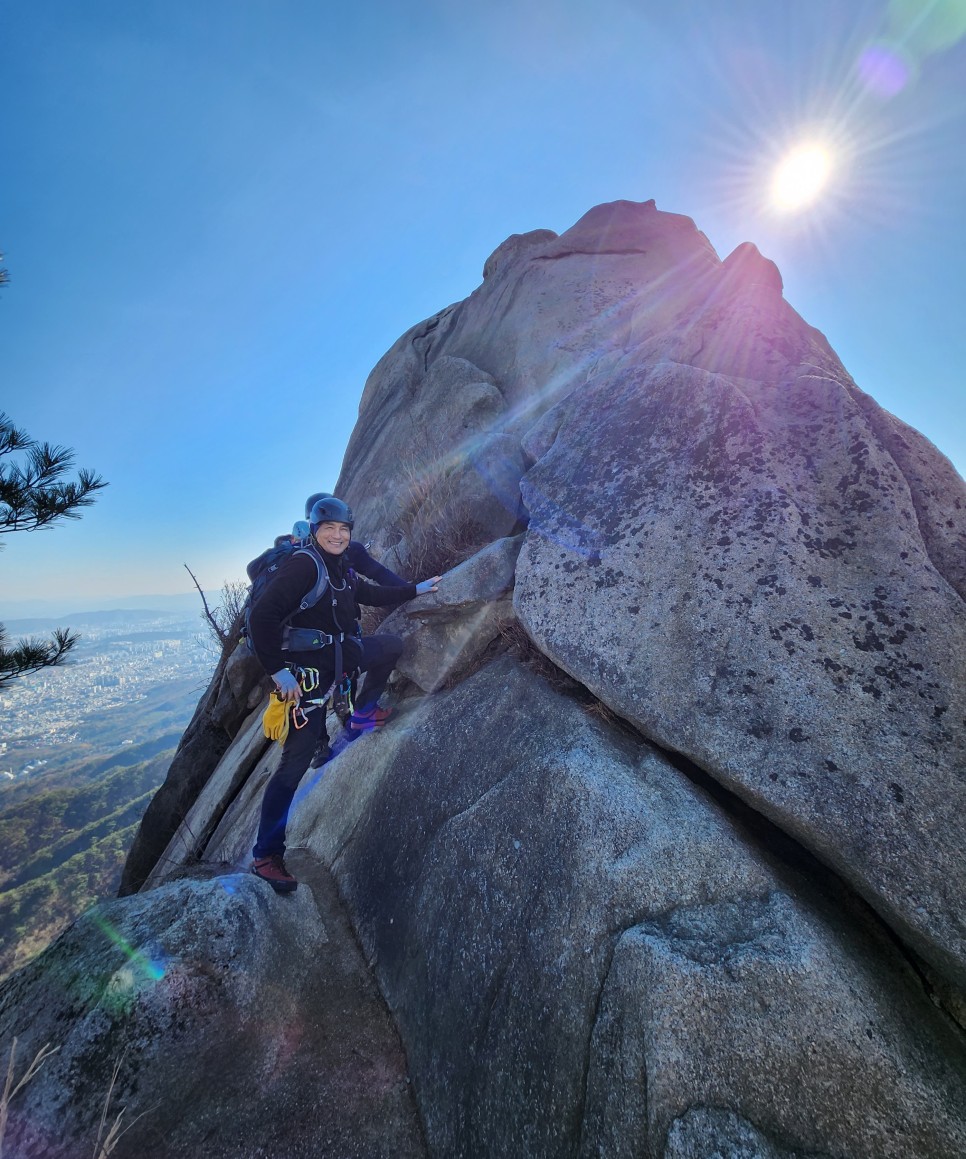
x: 152, y: 968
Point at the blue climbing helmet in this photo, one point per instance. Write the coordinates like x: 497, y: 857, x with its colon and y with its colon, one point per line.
x: 330, y: 510
x: 313, y: 499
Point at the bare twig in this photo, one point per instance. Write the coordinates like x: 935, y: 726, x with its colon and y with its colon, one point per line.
x: 209, y: 615
x: 227, y: 618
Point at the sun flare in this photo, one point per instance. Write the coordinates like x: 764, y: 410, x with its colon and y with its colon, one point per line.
x: 800, y: 177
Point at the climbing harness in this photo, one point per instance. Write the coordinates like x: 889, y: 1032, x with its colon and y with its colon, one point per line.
x: 282, y: 714
x: 339, y: 694
x: 308, y: 678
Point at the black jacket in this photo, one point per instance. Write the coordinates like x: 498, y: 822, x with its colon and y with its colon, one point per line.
x: 295, y: 579
x: 362, y: 562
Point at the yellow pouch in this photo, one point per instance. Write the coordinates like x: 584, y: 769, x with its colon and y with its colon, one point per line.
x: 275, y: 719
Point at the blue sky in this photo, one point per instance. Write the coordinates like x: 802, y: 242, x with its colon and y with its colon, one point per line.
x: 218, y: 214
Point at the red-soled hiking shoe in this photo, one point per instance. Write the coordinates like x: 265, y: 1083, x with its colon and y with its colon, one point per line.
x: 369, y: 720
x: 272, y: 869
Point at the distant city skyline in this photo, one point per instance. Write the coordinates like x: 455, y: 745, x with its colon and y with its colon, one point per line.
x: 217, y: 218
x: 117, y: 666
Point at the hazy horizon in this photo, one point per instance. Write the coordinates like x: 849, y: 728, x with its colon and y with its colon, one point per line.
x: 53, y: 608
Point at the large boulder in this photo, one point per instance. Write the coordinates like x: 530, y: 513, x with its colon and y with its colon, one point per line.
x: 586, y: 957
x: 740, y: 568
x: 450, y: 468
x: 730, y: 544
x: 447, y: 631
x: 239, y: 1023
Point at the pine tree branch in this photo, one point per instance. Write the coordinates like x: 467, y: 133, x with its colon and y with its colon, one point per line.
x: 28, y: 503
x: 34, y: 494
x: 12, y: 438
x: 32, y: 655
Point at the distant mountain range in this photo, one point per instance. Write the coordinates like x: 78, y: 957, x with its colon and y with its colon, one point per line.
x: 101, y: 619
x: 69, y: 610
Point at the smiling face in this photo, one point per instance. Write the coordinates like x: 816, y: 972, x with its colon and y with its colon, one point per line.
x: 332, y: 537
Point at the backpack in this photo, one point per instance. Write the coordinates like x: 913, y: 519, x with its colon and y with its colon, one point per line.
x: 262, y: 569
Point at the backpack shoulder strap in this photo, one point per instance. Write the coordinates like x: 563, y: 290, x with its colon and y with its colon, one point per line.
x: 315, y: 594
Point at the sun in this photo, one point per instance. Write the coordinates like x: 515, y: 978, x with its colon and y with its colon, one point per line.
x: 800, y: 177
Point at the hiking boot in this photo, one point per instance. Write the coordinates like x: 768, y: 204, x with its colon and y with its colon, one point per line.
x: 368, y: 720
x: 323, y: 754
x: 272, y: 869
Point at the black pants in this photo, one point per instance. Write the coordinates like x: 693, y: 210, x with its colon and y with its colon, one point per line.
x: 379, y: 657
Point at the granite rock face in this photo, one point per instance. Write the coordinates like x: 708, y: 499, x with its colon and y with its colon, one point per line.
x: 237, y: 686
x: 549, y: 312
x: 740, y: 569
x: 447, y: 631
x: 234, y: 774
x: 586, y: 957
x: 681, y: 875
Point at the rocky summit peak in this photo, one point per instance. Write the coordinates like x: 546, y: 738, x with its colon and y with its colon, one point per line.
x: 746, y: 264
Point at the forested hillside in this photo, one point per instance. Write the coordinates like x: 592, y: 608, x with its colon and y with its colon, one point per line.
x: 62, y: 848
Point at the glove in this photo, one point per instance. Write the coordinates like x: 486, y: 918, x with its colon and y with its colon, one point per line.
x: 275, y: 719
x: 286, y: 685
x: 430, y: 585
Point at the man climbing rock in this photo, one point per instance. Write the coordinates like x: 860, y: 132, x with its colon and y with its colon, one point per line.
x: 362, y: 563
x: 305, y: 622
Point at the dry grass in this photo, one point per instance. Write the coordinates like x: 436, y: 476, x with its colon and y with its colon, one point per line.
x: 11, y: 1089
x: 105, y: 1144
x: 229, y: 615
x: 604, y: 713
x: 106, y: 1141
x: 519, y: 645
x: 431, y: 524
x: 522, y: 648
x: 429, y: 527
x: 373, y: 617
